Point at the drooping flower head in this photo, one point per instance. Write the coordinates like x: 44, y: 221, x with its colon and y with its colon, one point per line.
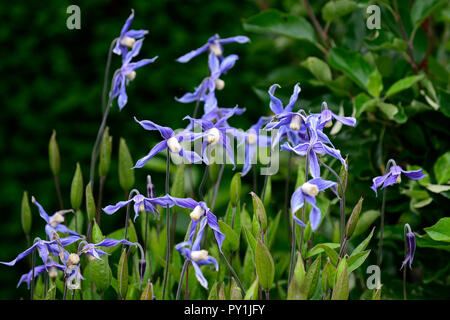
x: 307, y: 193
x: 394, y: 176
x: 410, y: 240
x: 127, y: 73
x: 51, y: 267
x: 327, y: 116
x: 197, y: 256
x: 127, y: 38
x: 214, y: 45
x: 171, y: 141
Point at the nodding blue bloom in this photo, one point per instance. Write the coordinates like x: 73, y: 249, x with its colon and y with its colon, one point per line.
x: 171, y: 141
x: 277, y: 106
x: 141, y: 203
x: 393, y: 176
x: 200, y: 209
x: 327, y: 116
x: 93, y: 251
x: 308, y: 192
x: 196, y: 256
x: 410, y: 246
x: 218, y: 113
x: 128, y: 37
x: 217, y: 133
x: 54, y: 222
x: 45, y: 248
x: 51, y: 267
x: 252, y: 140
x: 206, y: 90
x: 127, y: 73
x: 214, y: 44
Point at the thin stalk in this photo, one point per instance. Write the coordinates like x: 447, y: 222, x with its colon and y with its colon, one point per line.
x: 216, y: 187
x: 33, y: 264
x: 180, y: 284
x: 105, y: 80
x: 286, y: 197
x: 100, y: 198
x: 127, y: 217
x: 255, y: 179
x: 267, y: 294
x: 234, y: 273
x: 186, y: 290
x: 65, y: 289
x: 191, y: 180
x: 205, y: 177
x: 58, y: 192
x: 404, y: 284
x: 166, y: 271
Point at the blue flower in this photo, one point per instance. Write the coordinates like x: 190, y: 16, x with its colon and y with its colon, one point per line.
x: 410, y: 246
x: 54, y: 222
x: 92, y: 249
x: 308, y: 192
x: 141, y: 203
x: 214, y: 44
x: 327, y: 116
x: 393, y: 176
x: 171, y: 141
x: 51, y: 267
x: 196, y: 256
x: 128, y: 37
x: 127, y: 73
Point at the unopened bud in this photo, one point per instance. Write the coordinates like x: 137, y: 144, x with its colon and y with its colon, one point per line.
x: 353, y: 220
x: 200, y: 255
x: 142, y: 266
x: 310, y: 189
x: 197, y: 213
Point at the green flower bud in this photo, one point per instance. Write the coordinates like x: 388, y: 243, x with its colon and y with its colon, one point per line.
x: 53, y: 154
x: 26, y: 214
x: 105, y: 154
x: 353, y: 220
x: 90, y: 203
x: 259, y: 211
x: 126, y: 172
x: 76, y: 191
x: 235, y: 189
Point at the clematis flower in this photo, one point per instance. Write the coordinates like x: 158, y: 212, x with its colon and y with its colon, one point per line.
x: 200, y: 210
x: 141, y: 203
x: 206, y: 90
x: 307, y: 193
x: 218, y: 113
x: 128, y: 37
x: 410, y: 246
x: 394, y: 176
x: 72, y: 272
x: 51, y: 267
x: 214, y: 44
x: 127, y: 73
x: 171, y: 141
x: 93, y: 251
x: 327, y: 116
x: 196, y: 256
x: 54, y: 222
x: 252, y: 140
x: 45, y: 248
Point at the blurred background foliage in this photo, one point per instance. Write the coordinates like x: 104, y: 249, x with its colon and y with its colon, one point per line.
x: 53, y: 77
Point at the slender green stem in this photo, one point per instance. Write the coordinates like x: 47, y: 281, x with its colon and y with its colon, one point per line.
x: 100, y: 198
x: 205, y: 177
x: 58, y: 192
x: 166, y: 271
x: 180, y: 284
x: 65, y: 288
x: 286, y: 197
x: 105, y: 80
x: 267, y: 294
x: 33, y: 264
x: 127, y: 217
x: 404, y: 284
x: 234, y: 273
x: 216, y: 187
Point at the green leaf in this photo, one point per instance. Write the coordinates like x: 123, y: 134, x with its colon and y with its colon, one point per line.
x: 273, y: 227
x: 388, y: 109
x: 335, y: 9
x: 356, y: 260
x: 177, y: 189
x: 259, y: 211
x: 76, y: 191
x: 126, y: 172
x: 425, y: 241
x: 311, y: 279
x: 362, y: 102
x: 294, y: 292
x: 403, y: 84
x: 53, y: 155
x: 122, y: 275
x: 250, y: 240
x: 334, y: 257
x: 318, y: 249
x: 440, y: 231
x: 351, y: 64
x: 105, y: 154
x: 363, y: 244
x: 444, y: 102
x: 422, y: 9
x: 268, y: 193
x: 235, y: 291
x: 353, y: 220
x: 231, y: 241
x: 235, y: 189
x: 252, y: 292
x: 375, y: 84
x: 277, y: 22
x: 25, y: 214
x: 365, y: 220
x: 340, y: 291
x: 101, y: 273
x: 90, y: 203
x: 265, y: 268
x: 442, y: 168
x: 318, y: 68
x: 436, y: 188
x: 147, y: 293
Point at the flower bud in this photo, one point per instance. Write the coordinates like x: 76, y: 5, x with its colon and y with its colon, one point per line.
x: 200, y: 255
x: 53, y: 154
x: 213, y: 136
x: 26, y: 214
x: 216, y: 49
x: 105, y: 154
x: 174, y: 145
x: 295, y: 122
x: 150, y: 188
x: 310, y: 189
x: 252, y: 138
x: 73, y: 259
x: 235, y: 189
x: 353, y: 220
x: 220, y: 84
x: 142, y: 266
x: 130, y: 76
x: 197, y: 213
x: 76, y: 190
x: 128, y: 41
x: 52, y: 273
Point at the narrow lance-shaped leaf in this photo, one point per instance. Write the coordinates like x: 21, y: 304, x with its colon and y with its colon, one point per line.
x: 100, y: 271
x: 53, y: 154
x: 122, y: 275
x: 235, y: 189
x: 353, y: 220
x: 309, y: 285
x: 340, y: 291
x: 126, y: 173
x: 76, y: 191
x: 147, y: 293
x: 265, y: 268
x: 26, y: 214
x: 177, y: 189
x: 259, y: 211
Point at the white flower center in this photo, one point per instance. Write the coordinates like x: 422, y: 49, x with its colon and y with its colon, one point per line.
x: 130, y: 76
x: 213, y: 135
x: 53, y: 272
x: 142, y: 207
x: 310, y: 189
x: 128, y: 41
x: 174, y: 145
x: 220, y: 84
x: 197, y: 213
x: 252, y: 138
x: 199, y: 255
x: 328, y: 124
x: 73, y: 259
x: 56, y: 219
x: 295, y: 122
x: 399, y: 179
x: 91, y: 257
x: 216, y: 49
